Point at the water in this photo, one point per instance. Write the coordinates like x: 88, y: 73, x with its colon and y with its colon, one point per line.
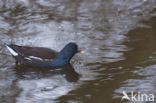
x: 118, y: 38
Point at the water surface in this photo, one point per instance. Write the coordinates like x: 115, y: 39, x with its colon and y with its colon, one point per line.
x: 118, y: 38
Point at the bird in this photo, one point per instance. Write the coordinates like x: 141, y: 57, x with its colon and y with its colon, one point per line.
x: 42, y: 56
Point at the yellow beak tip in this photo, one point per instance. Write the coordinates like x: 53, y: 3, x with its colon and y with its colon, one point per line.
x: 81, y: 52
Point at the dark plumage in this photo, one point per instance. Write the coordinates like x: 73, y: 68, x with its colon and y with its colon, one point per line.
x: 43, y: 57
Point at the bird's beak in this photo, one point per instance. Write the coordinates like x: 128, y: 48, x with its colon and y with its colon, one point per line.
x: 80, y: 51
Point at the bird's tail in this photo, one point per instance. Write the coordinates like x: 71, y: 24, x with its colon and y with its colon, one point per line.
x: 11, y: 50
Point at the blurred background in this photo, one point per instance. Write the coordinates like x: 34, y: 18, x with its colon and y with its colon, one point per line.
x: 118, y: 37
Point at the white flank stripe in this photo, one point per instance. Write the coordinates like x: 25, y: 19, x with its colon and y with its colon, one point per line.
x: 12, y: 51
x: 33, y: 57
x: 28, y: 58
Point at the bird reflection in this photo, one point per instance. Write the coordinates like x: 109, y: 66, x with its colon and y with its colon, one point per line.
x: 35, y: 73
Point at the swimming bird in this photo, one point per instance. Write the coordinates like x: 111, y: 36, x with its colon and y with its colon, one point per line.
x: 42, y: 56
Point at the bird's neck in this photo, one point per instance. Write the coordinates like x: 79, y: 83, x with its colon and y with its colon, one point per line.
x: 66, y: 57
